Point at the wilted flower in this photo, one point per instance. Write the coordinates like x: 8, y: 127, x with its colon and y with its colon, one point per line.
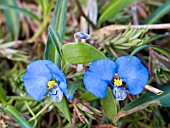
x: 43, y: 73
x: 123, y: 72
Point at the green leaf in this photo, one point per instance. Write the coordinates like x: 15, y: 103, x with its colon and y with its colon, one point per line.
x: 44, y: 4
x: 16, y: 9
x: 3, y: 96
x: 64, y: 108
x: 152, y: 38
x: 145, y: 100
x: 88, y: 96
x: 17, y: 116
x: 56, y: 39
x: 81, y: 53
x: 161, y: 50
x: 113, y: 8
x: 73, y: 86
x: 51, y: 52
x: 12, y: 19
x: 109, y: 104
x: 59, y: 17
x: 59, y: 23
x: 160, y: 12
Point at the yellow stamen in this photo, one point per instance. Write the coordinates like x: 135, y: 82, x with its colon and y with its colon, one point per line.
x: 51, y: 84
x: 118, y: 82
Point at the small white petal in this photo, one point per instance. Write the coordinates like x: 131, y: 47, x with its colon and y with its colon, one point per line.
x: 56, y: 94
x: 82, y: 35
x: 120, y: 93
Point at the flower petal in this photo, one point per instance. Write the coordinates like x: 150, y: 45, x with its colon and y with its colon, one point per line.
x: 133, y: 73
x: 98, y: 76
x: 120, y: 93
x: 36, y: 79
x: 56, y: 94
x: 59, y: 76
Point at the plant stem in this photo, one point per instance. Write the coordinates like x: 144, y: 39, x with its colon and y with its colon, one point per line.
x: 106, y: 31
x: 41, y: 111
x: 20, y: 98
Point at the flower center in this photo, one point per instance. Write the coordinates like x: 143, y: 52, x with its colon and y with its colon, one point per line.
x: 51, y: 84
x: 117, y: 81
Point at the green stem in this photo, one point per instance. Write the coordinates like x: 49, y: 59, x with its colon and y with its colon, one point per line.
x: 32, y: 113
x: 20, y: 98
x: 41, y: 111
x: 45, y: 22
x: 29, y: 109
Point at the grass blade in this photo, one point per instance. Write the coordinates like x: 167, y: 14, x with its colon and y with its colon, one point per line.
x: 3, y: 96
x: 20, y: 10
x: 160, y: 12
x: 12, y: 19
x: 161, y: 50
x: 146, y: 100
x: 17, y: 116
x: 56, y: 39
x: 58, y: 22
x: 113, y: 8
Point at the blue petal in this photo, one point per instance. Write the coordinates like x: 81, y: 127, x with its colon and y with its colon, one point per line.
x: 97, y: 77
x: 36, y: 79
x: 59, y: 76
x: 82, y: 35
x: 133, y: 73
x: 56, y: 94
x: 120, y: 93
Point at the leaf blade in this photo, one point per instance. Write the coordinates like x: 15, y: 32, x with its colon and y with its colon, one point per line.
x: 17, y: 116
x: 160, y: 12
x: 20, y: 10
x: 88, y: 96
x: 73, y: 86
x: 146, y: 100
x: 109, y: 105
x: 56, y: 39
x: 161, y: 50
x: 12, y: 19
x: 114, y: 7
x: 58, y: 21
x: 64, y: 108
x: 81, y: 53
x: 3, y: 97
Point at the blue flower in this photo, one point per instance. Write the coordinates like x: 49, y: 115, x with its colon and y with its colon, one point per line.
x: 39, y: 74
x: 124, y: 71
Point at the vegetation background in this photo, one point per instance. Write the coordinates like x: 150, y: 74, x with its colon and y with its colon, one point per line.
x: 23, y: 38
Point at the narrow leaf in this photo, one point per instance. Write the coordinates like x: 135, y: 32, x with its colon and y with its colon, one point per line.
x: 56, y: 39
x: 64, y: 108
x: 152, y: 38
x: 58, y: 22
x: 88, y: 96
x: 44, y: 5
x: 17, y: 116
x: 3, y: 96
x: 160, y: 12
x: 161, y: 50
x: 73, y: 86
x: 113, y: 8
x: 20, y: 10
x: 81, y: 53
x: 145, y: 100
x: 109, y: 105
x: 12, y: 19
